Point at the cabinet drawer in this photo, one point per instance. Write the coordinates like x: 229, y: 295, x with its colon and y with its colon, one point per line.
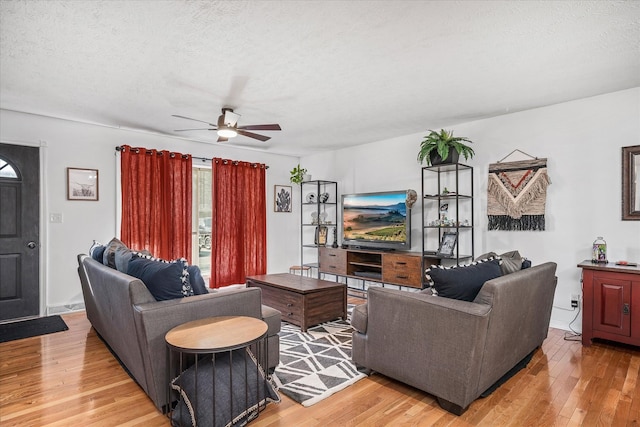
x: 289, y: 304
x: 333, y: 261
x: 401, y: 270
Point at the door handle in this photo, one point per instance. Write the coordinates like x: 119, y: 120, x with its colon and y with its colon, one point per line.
x: 625, y: 309
x: 31, y: 245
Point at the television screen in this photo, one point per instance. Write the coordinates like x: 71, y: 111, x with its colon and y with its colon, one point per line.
x: 376, y: 219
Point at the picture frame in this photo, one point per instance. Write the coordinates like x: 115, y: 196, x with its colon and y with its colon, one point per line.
x: 321, y: 235
x: 631, y: 183
x: 282, y: 198
x: 82, y: 184
x: 447, y: 244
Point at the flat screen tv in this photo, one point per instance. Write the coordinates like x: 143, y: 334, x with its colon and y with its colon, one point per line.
x: 376, y: 220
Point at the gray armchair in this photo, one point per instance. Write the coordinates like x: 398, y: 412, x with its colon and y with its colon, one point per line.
x: 452, y: 349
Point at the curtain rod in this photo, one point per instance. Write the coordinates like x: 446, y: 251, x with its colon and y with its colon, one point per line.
x: 184, y: 156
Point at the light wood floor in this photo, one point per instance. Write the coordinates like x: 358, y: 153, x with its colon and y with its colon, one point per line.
x: 70, y: 379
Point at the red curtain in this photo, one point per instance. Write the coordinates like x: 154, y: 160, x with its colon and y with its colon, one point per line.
x: 156, y: 202
x: 239, y: 222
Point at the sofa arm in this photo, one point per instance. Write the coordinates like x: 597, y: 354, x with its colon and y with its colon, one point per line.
x: 429, y: 342
x: 153, y: 320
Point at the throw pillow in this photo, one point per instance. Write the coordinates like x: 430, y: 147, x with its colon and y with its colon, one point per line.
x: 245, y: 386
x: 197, y: 281
x: 97, y: 252
x: 511, y: 261
x: 463, y: 282
x: 123, y: 255
x: 165, y: 280
x: 109, y: 257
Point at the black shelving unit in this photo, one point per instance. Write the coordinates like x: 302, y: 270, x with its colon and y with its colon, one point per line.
x: 326, y: 211
x: 451, y: 184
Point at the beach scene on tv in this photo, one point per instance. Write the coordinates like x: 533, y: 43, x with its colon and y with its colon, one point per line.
x: 375, y: 217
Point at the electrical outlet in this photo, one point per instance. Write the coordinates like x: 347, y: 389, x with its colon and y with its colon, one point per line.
x: 575, y: 300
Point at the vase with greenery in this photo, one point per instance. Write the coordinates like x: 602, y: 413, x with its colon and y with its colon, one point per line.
x: 297, y: 174
x: 443, y: 147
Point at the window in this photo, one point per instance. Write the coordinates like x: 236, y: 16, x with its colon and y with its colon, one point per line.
x: 6, y: 170
x: 201, y: 221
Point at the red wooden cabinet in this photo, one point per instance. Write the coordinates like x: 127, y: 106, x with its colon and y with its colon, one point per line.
x: 611, y: 303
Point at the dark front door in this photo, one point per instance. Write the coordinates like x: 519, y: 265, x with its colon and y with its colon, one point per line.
x: 19, y: 231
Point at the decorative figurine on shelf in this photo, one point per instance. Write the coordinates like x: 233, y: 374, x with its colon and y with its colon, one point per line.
x: 599, y: 252
x: 444, y: 210
x: 335, y: 237
x: 412, y: 196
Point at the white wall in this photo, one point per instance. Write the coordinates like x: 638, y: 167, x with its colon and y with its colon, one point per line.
x: 71, y: 144
x: 582, y: 141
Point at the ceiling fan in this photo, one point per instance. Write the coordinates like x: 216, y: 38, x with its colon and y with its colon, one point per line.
x: 227, y: 126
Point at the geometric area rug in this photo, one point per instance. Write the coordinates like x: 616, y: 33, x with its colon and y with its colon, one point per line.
x: 315, y: 364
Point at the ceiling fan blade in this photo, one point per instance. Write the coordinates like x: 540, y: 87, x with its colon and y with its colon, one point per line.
x: 183, y: 130
x: 195, y: 120
x: 253, y: 135
x: 261, y: 127
x: 222, y: 139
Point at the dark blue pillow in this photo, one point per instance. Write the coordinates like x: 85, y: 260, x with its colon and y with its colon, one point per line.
x: 526, y: 263
x: 165, y: 280
x: 98, y: 253
x: 463, y: 282
x: 196, y: 280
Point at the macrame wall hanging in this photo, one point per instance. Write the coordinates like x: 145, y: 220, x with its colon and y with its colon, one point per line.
x: 517, y: 194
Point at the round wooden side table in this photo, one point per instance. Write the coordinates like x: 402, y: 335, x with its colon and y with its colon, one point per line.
x: 195, y: 342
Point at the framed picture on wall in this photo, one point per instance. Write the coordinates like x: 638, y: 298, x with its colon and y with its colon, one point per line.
x: 82, y: 184
x: 447, y: 244
x: 282, y: 198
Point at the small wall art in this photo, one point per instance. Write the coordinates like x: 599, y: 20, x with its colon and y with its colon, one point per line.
x: 82, y: 184
x: 282, y: 198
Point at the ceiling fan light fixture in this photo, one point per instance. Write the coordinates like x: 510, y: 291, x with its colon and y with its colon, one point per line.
x: 227, y: 132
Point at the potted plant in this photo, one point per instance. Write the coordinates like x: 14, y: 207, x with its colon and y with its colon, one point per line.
x: 298, y: 175
x: 443, y: 147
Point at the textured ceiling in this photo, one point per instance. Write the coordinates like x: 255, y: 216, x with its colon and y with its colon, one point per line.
x: 331, y: 73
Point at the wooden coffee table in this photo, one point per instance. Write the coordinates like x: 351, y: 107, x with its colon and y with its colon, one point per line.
x: 303, y: 301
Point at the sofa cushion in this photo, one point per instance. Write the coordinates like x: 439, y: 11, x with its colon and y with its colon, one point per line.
x: 197, y: 281
x: 271, y: 317
x: 165, y: 280
x: 463, y: 282
x: 359, y: 318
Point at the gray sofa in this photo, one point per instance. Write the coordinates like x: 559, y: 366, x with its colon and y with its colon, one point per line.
x: 133, y: 324
x: 453, y: 349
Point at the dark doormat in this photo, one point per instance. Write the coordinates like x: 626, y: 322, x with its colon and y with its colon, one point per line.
x: 31, y: 328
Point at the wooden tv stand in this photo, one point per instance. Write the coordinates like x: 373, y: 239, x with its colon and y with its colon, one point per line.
x: 395, y: 268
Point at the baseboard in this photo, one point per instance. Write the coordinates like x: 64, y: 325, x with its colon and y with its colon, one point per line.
x: 67, y: 308
x: 562, y: 325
